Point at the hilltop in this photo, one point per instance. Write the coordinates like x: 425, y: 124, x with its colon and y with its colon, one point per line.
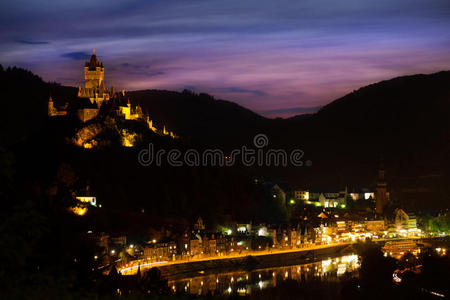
x: 404, y: 120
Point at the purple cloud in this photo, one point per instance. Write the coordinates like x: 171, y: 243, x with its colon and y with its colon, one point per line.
x: 76, y: 55
x: 32, y: 42
x: 274, y: 57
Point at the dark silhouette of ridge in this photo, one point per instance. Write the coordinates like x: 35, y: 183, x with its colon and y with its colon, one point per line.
x: 404, y: 119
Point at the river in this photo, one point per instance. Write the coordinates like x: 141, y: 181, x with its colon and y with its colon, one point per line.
x: 243, y: 282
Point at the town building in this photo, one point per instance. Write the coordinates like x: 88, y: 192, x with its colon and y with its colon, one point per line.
x: 333, y: 199
x: 362, y: 194
x: 161, y: 251
x: 301, y: 195
x: 195, y: 245
x: 375, y: 225
x: 209, y: 245
x: 405, y: 222
x: 118, y: 240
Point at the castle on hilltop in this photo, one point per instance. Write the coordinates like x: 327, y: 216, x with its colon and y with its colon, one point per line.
x: 94, y: 97
x: 94, y: 89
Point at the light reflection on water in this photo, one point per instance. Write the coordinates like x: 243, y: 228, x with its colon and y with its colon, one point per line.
x: 244, y: 282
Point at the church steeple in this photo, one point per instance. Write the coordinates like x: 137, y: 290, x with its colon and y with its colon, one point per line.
x: 382, y: 193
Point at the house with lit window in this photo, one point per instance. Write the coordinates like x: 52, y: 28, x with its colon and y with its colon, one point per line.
x: 301, y: 195
x: 362, y: 194
x: 195, y: 245
x: 209, y: 244
x: 333, y: 199
x: 161, y: 251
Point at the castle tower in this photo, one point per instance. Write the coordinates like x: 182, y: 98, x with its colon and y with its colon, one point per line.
x: 55, y: 112
x: 94, y: 73
x: 94, y: 88
x: 51, y: 107
x: 382, y: 193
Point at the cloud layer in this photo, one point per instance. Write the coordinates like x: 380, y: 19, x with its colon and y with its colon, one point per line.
x: 278, y: 58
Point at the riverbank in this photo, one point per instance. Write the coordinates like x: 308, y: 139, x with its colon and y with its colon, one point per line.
x: 259, y: 260
x: 259, y: 257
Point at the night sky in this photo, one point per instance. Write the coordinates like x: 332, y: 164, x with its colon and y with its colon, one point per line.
x: 276, y: 57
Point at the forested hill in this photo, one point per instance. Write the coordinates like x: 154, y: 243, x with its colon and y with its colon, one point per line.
x: 404, y: 120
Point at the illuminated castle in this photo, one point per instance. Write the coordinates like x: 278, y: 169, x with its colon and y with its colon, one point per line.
x: 94, y: 95
x: 94, y: 89
x: 131, y: 113
x: 54, y: 111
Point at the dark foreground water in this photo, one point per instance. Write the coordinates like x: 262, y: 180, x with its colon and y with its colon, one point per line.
x: 248, y: 282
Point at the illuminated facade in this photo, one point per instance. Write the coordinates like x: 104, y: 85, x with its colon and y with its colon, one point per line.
x: 83, y: 202
x: 55, y: 112
x: 88, y: 199
x: 405, y: 222
x: 131, y: 113
x: 375, y: 225
x: 333, y: 199
x: 362, y: 195
x: 302, y: 195
x: 94, y: 83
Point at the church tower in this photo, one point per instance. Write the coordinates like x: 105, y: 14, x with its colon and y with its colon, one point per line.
x: 382, y: 193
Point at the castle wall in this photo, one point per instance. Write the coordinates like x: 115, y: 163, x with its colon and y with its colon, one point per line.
x: 87, y: 114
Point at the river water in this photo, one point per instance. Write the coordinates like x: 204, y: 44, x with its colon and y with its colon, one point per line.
x: 247, y: 282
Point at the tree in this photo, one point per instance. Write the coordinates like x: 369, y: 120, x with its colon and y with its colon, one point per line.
x: 66, y: 176
x: 408, y: 260
x: 376, y: 270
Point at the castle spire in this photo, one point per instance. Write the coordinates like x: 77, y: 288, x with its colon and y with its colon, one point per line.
x: 93, y: 51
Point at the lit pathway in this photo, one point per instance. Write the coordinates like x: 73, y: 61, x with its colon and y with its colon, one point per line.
x: 131, y: 267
